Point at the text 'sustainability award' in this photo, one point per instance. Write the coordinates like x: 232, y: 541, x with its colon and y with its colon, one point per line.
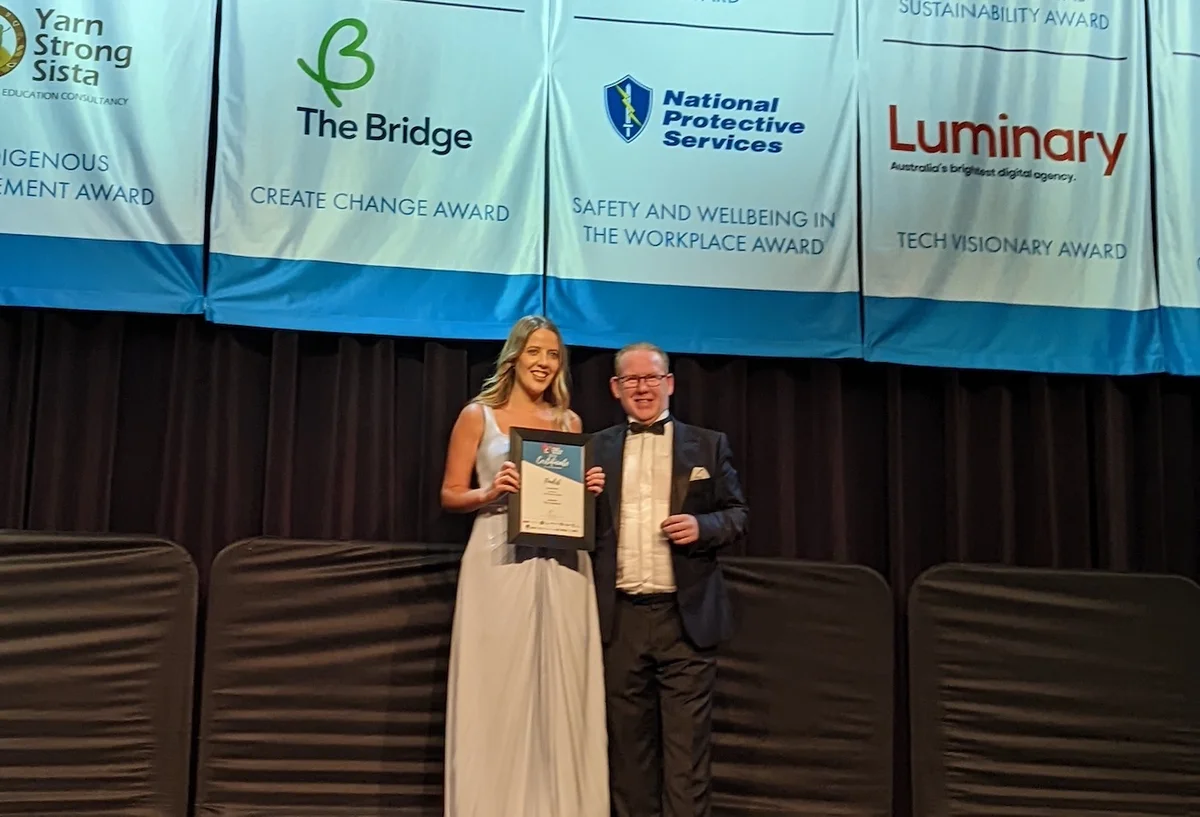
x: 553, y: 507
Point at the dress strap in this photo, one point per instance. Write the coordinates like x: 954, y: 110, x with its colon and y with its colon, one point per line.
x: 490, y: 419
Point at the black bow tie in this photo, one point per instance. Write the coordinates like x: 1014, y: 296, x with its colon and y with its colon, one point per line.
x: 652, y: 428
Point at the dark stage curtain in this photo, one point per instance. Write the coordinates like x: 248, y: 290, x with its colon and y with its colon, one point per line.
x: 206, y: 435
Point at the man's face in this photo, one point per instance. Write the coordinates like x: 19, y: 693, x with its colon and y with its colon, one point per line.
x: 643, y: 385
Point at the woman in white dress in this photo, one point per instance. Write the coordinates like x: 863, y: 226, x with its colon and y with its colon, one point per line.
x: 525, y: 729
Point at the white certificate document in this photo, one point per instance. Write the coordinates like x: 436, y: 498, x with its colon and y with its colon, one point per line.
x: 552, y: 490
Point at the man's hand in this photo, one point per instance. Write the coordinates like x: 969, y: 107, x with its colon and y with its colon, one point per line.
x: 594, y: 479
x: 681, y: 529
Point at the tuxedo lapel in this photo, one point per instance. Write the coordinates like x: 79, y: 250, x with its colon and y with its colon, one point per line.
x: 612, y: 459
x: 683, y: 457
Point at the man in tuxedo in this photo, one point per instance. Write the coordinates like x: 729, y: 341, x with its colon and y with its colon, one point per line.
x: 674, y: 500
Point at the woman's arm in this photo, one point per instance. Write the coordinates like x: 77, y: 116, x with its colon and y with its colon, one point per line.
x: 457, y: 493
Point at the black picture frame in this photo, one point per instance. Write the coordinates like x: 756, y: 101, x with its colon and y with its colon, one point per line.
x: 577, y: 444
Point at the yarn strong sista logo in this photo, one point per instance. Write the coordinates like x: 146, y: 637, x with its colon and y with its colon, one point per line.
x: 12, y: 41
x: 66, y: 50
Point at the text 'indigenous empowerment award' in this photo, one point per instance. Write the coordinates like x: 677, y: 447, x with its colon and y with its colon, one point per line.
x: 553, y: 507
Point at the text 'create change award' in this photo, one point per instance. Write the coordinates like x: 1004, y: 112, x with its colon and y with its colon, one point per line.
x: 553, y: 508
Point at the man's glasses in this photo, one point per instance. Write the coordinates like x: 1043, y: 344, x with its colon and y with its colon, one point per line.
x: 631, y: 382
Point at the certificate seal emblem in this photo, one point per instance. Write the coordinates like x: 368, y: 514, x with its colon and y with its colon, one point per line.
x: 12, y: 41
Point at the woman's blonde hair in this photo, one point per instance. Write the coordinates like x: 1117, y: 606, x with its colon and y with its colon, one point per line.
x: 497, y: 389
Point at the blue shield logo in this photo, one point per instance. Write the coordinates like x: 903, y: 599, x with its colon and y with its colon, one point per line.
x: 627, y: 103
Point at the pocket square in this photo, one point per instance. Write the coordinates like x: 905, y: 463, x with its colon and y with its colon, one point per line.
x: 699, y: 472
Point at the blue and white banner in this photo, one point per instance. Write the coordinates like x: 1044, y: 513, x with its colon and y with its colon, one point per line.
x: 703, y: 174
x: 1175, y: 70
x: 380, y: 166
x: 104, y: 126
x: 1006, y: 213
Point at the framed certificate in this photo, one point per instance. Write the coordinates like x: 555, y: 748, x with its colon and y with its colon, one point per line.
x: 552, y: 508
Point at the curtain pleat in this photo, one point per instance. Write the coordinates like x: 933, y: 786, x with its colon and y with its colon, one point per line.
x: 18, y: 382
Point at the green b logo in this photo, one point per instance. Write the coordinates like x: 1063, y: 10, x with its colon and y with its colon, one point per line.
x: 351, y: 51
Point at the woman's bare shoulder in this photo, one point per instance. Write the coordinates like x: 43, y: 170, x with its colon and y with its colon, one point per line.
x: 471, y: 415
x: 574, y: 423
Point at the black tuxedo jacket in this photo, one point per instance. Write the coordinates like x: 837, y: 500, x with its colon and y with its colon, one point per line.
x: 719, y: 508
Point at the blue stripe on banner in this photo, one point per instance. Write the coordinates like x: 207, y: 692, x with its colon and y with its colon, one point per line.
x: 1052, y: 339
x: 53, y: 272
x: 1181, y: 339
x: 328, y: 296
x: 706, y: 320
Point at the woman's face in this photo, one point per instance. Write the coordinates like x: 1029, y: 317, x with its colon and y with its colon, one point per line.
x: 539, y: 362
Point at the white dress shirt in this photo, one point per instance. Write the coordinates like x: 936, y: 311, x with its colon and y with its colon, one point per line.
x: 643, y: 550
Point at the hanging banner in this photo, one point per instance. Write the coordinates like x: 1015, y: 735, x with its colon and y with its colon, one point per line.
x: 104, y: 128
x: 703, y: 175
x: 1175, y: 69
x: 380, y: 166
x: 1006, y: 213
